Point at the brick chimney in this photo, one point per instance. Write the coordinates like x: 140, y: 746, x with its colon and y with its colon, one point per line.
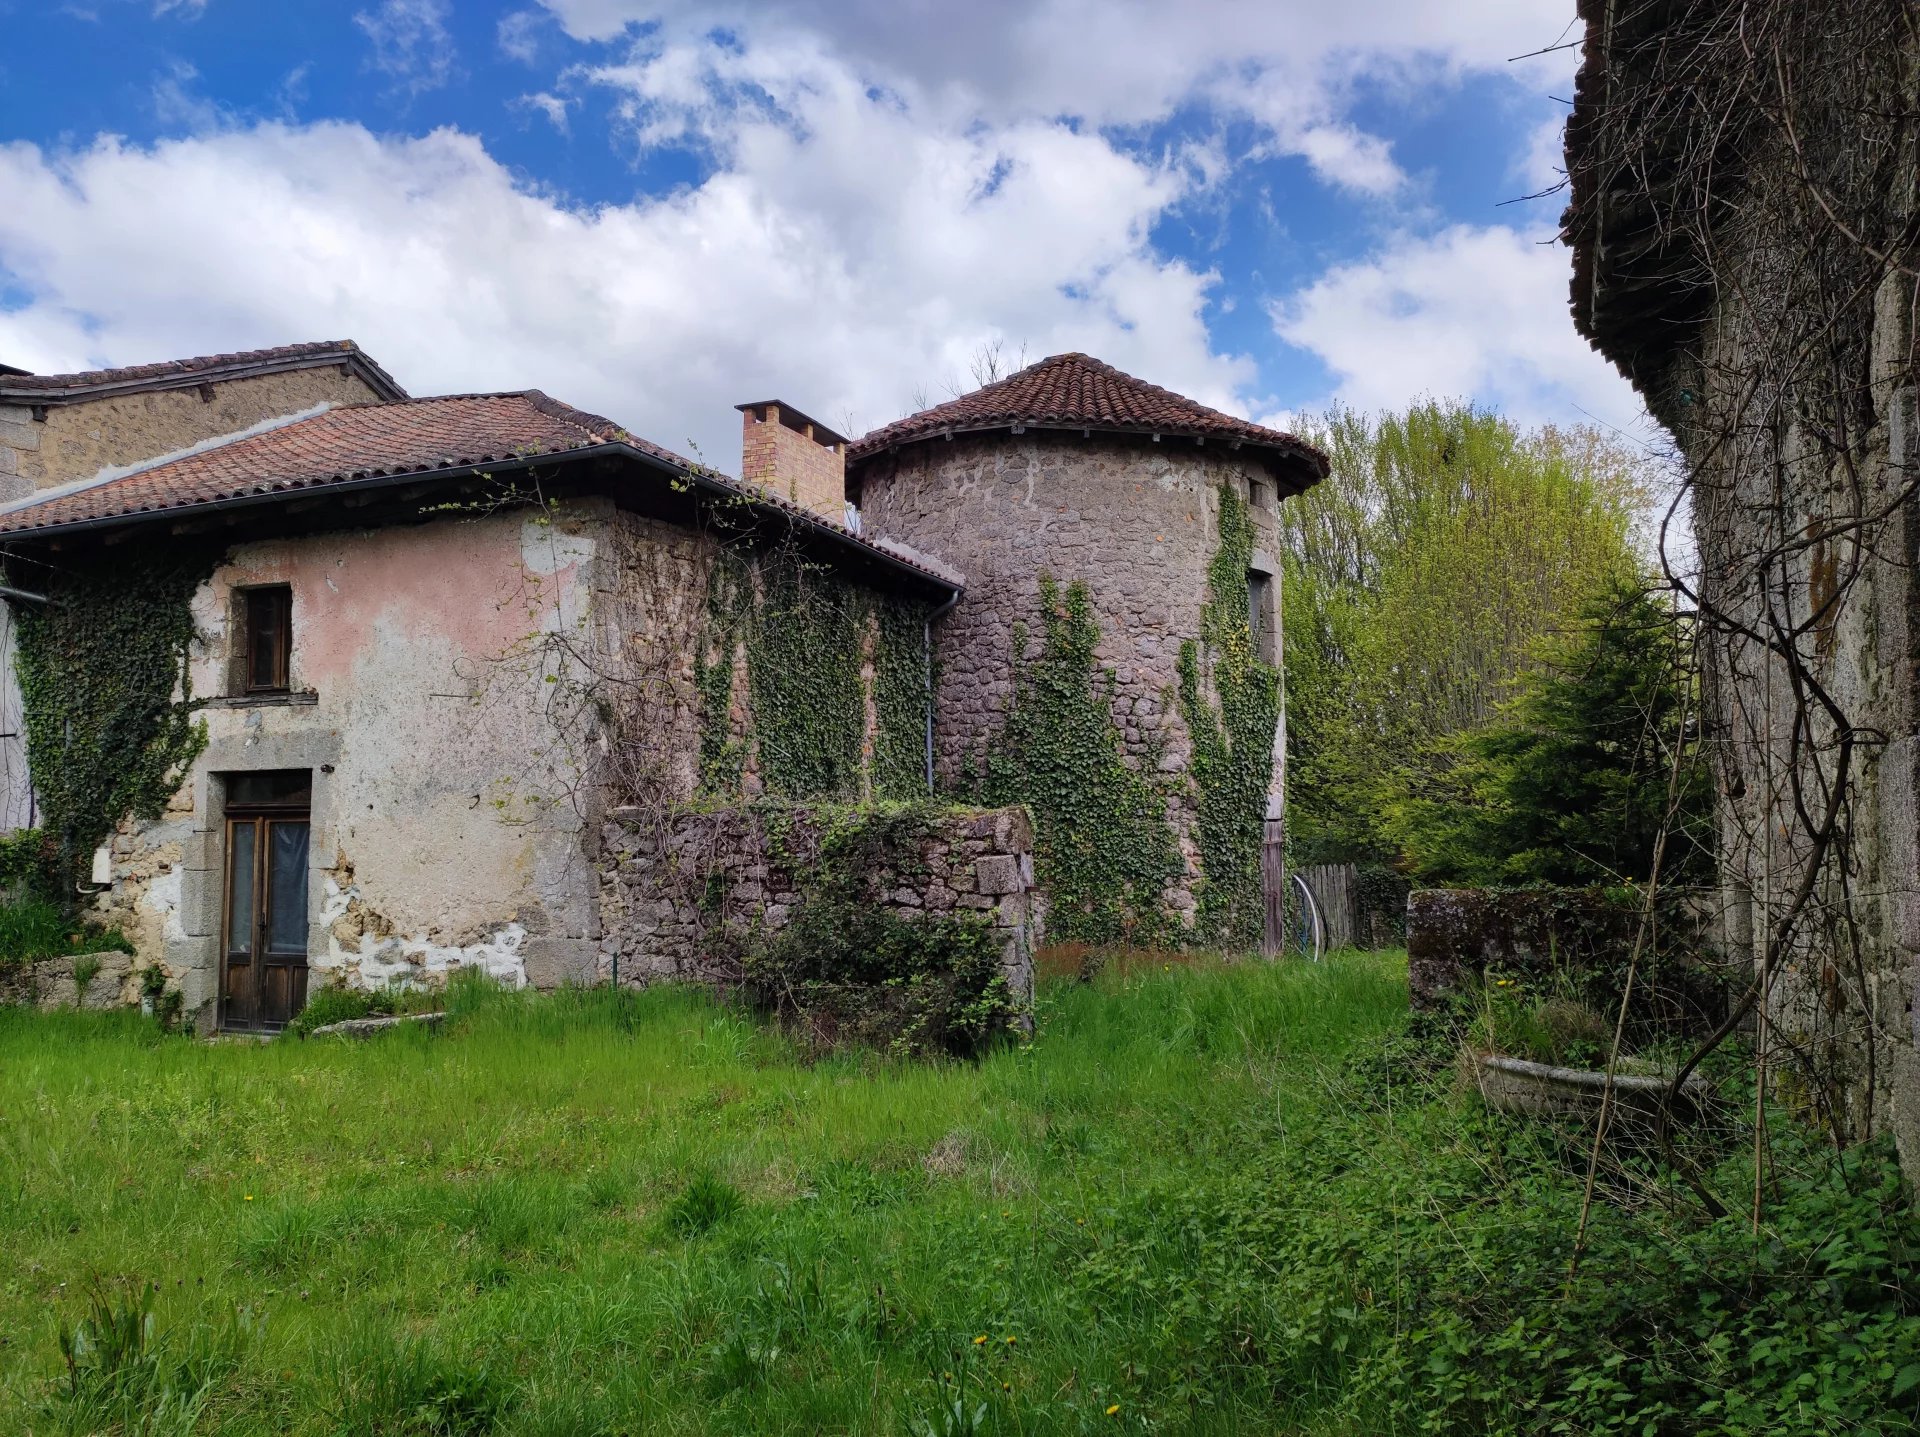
x: 784, y: 451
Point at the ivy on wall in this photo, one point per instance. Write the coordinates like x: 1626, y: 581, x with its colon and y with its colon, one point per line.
x: 109, y: 712
x: 806, y: 637
x: 900, y: 698
x: 1232, y: 732
x: 1102, y: 847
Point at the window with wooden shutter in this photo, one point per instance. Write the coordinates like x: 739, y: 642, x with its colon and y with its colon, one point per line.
x: 263, y: 640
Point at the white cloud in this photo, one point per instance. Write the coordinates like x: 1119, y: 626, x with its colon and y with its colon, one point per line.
x: 189, y: 9
x: 876, y: 207
x: 1472, y: 312
x: 1290, y: 67
x: 841, y: 272
x: 518, y: 35
x: 410, y: 42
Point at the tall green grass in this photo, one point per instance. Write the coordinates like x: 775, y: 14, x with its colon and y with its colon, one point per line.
x: 1192, y: 1204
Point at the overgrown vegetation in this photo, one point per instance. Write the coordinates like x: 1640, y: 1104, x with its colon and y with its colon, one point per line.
x: 109, y: 712
x: 36, y: 928
x: 1231, y: 703
x: 1420, y: 579
x: 806, y: 641
x: 1103, y: 849
x: 847, y: 969
x: 1575, y: 780
x: 1210, y: 1199
x: 337, y: 1003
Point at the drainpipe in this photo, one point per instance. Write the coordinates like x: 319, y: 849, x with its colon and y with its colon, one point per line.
x: 927, y: 650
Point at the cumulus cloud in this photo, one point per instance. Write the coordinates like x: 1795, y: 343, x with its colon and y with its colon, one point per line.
x: 1473, y: 311
x: 886, y: 187
x: 841, y: 271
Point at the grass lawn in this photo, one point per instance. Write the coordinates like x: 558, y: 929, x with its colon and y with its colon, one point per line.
x: 1185, y: 1207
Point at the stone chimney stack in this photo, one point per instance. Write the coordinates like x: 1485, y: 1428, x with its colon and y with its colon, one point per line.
x: 789, y: 454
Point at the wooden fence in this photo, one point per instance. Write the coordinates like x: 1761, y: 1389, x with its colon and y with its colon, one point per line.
x: 1354, y: 911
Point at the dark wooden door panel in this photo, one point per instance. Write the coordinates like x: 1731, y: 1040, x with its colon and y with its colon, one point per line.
x: 265, y: 934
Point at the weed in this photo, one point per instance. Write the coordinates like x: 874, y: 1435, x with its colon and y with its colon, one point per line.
x: 703, y: 1205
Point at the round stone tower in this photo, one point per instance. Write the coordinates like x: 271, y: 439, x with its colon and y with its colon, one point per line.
x: 1071, y: 473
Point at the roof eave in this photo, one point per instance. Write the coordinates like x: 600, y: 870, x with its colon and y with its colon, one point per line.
x: 703, y: 478
x: 354, y: 360
x: 1304, y: 456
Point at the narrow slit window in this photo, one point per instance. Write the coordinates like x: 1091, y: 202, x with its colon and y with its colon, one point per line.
x: 267, y: 636
x: 1260, y: 622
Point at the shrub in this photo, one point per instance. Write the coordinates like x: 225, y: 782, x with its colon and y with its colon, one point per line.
x: 850, y: 971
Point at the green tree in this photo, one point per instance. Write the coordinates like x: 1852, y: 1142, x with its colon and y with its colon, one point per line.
x: 1419, y: 580
x: 1572, y: 783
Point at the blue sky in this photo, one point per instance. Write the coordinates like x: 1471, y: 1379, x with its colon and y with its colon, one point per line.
x: 657, y: 208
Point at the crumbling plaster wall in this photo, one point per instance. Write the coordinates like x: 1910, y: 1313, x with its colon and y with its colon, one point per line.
x: 436, y: 671
x: 78, y: 440
x: 1137, y: 522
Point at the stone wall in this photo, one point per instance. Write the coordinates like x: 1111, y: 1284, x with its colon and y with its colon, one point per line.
x: 672, y: 884
x: 51, y: 983
x: 79, y: 440
x: 1778, y: 345
x: 1573, y: 942
x: 1137, y: 522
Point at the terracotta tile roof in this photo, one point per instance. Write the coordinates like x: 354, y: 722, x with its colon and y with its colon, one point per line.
x: 1073, y: 391
x: 356, y: 441
x: 179, y: 373
x: 371, y: 441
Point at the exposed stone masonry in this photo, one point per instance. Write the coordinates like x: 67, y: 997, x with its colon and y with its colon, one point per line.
x: 669, y: 886
x: 1138, y: 522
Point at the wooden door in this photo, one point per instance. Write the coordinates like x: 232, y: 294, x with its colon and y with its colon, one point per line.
x: 265, y: 974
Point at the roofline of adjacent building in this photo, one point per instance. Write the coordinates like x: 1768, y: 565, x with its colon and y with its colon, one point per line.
x: 706, y: 479
x: 353, y: 359
x: 1305, y: 457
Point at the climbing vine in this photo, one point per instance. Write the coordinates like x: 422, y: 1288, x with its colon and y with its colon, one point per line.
x: 109, y: 712
x: 806, y: 641
x: 900, y: 698
x: 1232, y: 734
x: 1102, y: 846
x: 803, y: 670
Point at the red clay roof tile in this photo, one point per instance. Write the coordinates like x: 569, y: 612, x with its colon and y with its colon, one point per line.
x: 173, y: 373
x: 1074, y: 391
x: 363, y: 441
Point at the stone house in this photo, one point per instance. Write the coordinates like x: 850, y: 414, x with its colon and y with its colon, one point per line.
x: 1742, y: 221
x: 485, y: 681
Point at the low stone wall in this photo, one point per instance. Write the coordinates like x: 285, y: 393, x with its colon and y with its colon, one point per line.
x: 1579, y: 940
x: 671, y: 887
x: 49, y: 983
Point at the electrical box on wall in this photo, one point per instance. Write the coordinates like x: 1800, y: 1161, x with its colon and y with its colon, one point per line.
x: 103, y: 866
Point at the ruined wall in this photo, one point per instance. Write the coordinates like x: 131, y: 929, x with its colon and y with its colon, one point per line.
x: 1137, y: 522
x: 670, y: 888
x: 78, y: 440
x: 447, y: 829
x: 1749, y: 264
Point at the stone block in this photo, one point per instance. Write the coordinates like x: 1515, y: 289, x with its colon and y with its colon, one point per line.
x: 998, y: 873
x: 555, y: 962
x: 200, y: 896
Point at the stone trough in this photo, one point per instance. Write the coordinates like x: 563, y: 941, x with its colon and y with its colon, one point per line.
x: 1515, y: 1085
